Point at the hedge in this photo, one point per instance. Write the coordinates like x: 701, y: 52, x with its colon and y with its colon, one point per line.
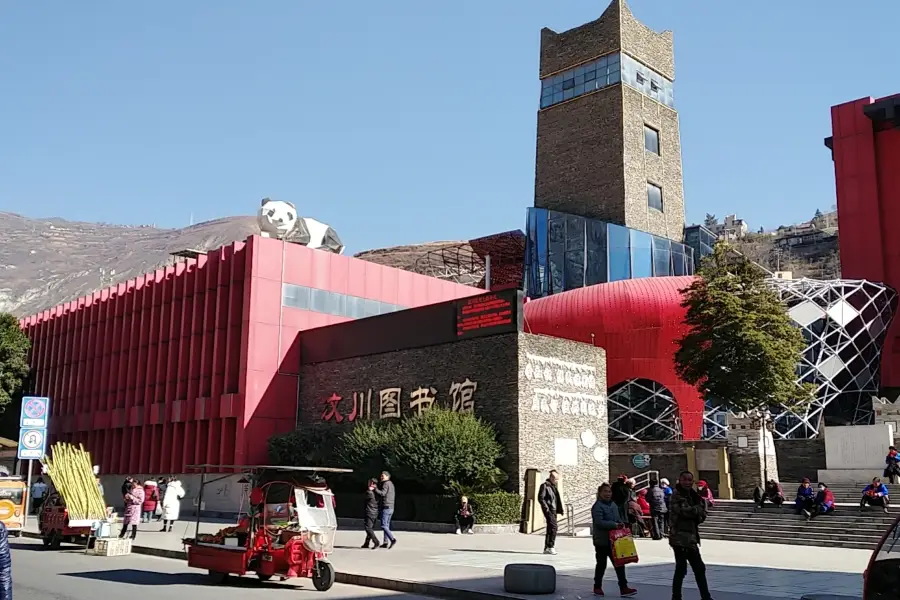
x: 497, y: 508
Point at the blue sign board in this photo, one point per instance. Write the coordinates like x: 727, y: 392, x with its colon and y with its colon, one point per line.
x: 641, y: 461
x: 32, y: 443
x: 35, y: 412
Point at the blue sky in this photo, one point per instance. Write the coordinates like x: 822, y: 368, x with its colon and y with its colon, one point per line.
x: 400, y: 121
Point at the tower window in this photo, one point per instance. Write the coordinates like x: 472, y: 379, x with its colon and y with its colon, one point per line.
x: 640, y: 78
x: 651, y: 139
x: 654, y: 196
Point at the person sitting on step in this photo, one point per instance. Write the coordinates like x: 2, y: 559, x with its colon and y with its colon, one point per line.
x: 771, y: 492
x: 892, y: 465
x: 875, y: 494
x: 465, y: 517
x: 824, y: 502
x: 806, y: 498
x: 705, y: 494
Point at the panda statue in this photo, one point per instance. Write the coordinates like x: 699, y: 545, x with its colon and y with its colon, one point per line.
x: 279, y: 219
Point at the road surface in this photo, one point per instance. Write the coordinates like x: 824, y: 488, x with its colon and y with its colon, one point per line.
x: 40, y: 574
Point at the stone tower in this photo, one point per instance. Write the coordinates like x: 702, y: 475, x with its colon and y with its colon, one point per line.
x: 608, y: 144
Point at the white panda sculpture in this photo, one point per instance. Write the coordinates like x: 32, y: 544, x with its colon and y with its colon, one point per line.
x: 279, y: 219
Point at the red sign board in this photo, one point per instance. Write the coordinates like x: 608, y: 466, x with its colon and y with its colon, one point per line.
x: 484, y: 315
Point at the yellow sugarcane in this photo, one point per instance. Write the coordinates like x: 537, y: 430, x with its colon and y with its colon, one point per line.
x: 71, y: 471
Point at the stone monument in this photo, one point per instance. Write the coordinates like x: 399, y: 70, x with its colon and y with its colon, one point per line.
x: 751, y: 451
x: 854, y: 454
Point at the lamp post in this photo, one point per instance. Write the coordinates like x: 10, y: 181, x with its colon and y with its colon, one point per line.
x: 762, y: 421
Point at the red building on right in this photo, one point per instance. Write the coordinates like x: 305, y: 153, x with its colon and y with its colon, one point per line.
x: 865, y: 145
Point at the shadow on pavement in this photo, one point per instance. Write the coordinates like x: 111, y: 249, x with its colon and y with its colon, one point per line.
x: 493, y: 551
x: 153, y: 578
x: 40, y: 548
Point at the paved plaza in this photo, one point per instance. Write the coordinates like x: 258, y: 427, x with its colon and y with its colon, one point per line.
x: 474, y: 563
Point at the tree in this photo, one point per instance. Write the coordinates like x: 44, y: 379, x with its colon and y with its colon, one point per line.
x: 742, y: 349
x: 818, y: 214
x: 710, y: 221
x: 436, y: 451
x: 14, y: 347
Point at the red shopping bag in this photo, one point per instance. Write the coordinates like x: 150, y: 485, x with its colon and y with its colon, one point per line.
x: 624, y: 550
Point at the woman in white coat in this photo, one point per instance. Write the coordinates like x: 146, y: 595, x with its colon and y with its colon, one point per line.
x: 171, y: 504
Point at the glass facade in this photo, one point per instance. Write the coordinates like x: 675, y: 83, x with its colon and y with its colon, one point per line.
x: 333, y: 303
x: 647, y: 81
x: 595, y: 75
x: 603, y: 72
x: 701, y: 240
x: 564, y: 252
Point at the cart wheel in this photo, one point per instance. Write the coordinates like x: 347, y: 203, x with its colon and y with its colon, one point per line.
x: 216, y: 578
x: 55, y: 540
x: 323, y: 575
x: 17, y: 534
x: 46, y: 539
x: 263, y: 577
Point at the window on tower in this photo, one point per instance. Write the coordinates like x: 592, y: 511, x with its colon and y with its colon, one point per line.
x: 654, y: 196
x: 583, y: 79
x: 651, y: 139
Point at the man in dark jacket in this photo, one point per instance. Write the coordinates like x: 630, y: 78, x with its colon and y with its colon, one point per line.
x: 656, y: 498
x: 551, y: 506
x: 621, y: 494
x: 386, y: 497
x: 6, y: 592
x: 370, y: 515
x: 686, y: 511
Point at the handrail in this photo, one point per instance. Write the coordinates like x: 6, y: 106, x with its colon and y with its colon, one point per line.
x: 641, y: 481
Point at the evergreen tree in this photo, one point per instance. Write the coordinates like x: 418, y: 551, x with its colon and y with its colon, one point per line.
x: 710, y: 221
x: 14, y: 346
x: 742, y: 349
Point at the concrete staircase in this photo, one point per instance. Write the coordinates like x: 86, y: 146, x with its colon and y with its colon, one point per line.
x: 847, y: 527
x: 740, y: 521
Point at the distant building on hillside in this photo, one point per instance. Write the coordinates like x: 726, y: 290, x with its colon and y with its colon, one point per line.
x: 731, y: 228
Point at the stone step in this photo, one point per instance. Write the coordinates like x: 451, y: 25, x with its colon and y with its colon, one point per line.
x: 771, y: 538
x: 798, y: 531
x: 836, y: 517
x: 813, y: 527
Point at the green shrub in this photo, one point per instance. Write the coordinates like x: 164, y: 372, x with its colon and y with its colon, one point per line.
x: 441, y: 447
x: 303, y: 447
x: 364, y: 448
x: 499, y: 508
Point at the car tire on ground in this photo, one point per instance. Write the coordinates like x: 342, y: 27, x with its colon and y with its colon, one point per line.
x: 323, y: 575
x: 263, y: 577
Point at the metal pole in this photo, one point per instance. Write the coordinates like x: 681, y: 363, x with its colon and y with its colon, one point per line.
x: 487, y: 272
x: 28, y: 501
x: 200, y: 501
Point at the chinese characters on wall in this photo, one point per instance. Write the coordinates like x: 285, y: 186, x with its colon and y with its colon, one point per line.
x: 563, y: 388
x: 389, y: 403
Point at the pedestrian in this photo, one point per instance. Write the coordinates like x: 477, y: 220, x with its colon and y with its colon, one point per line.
x: 621, y: 494
x: 465, y: 517
x: 127, y: 485
x: 892, y: 465
x: 656, y: 497
x: 151, y: 500
x: 686, y: 512
x: 172, y: 504
x: 134, y: 499
x: 38, y: 494
x: 161, y: 483
x: 387, y: 496
x: 551, y: 506
x: 6, y: 591
x: 605, y: 518
x: 370, y: 514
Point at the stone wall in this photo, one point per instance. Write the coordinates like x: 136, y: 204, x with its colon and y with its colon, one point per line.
x: 562, y: 412
x: 669, y: 458
x: 751, y: 454
x: 544, y: 396
x: 887, y: 411
x: 800, y: 458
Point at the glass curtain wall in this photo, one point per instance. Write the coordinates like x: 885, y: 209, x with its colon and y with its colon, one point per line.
x: 564, y: 252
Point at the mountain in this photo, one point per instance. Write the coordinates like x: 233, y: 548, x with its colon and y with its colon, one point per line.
x: 44, y: 262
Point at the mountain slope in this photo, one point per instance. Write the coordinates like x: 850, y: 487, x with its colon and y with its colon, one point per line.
x: 44, y: 262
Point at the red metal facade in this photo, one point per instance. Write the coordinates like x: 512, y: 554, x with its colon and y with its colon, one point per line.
x: 197, y: 362
x: 867, y: 175
x: 637, y: 322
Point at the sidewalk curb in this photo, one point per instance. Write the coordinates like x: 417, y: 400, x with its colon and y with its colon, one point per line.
x: 381, y: 583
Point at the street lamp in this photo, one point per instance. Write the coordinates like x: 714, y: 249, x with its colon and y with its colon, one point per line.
x: 761, y: 420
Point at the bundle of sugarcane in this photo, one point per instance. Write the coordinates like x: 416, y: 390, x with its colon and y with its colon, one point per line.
x: 72, y: 473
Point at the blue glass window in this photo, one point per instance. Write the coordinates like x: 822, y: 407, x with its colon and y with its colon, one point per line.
x: 647, y: 81
x: 641, y: 254
x: 595, y: 269
x: 619, y: 255
x: 651, y: 139
x: 662, y: 260
x: 333, y: 303
x: 654, y: 196
x: 580, y: 80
